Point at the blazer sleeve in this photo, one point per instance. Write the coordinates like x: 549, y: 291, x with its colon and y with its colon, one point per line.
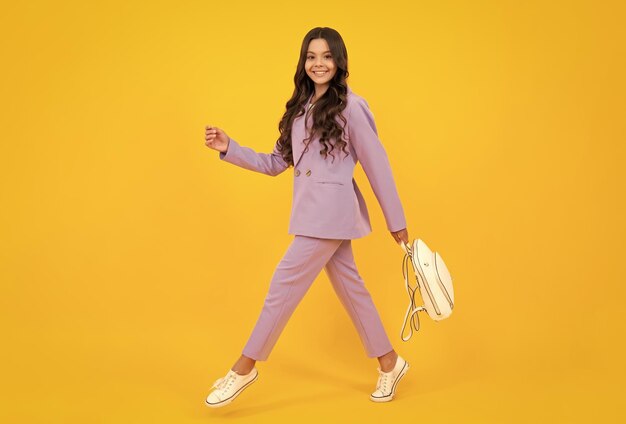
x: 265, y: 163
x: 363, y: 136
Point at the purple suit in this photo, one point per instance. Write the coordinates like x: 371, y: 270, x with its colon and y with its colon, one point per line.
x: 328, y: 211
x: 327, y: 202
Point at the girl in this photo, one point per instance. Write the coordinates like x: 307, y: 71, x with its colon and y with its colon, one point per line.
x: 325, y: 130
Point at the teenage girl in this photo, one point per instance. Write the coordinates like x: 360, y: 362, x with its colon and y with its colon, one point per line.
x: 324, y: 132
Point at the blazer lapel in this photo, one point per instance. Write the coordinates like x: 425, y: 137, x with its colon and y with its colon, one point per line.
x: 299, y: 132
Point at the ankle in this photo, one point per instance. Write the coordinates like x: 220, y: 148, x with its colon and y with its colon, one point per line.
x: 242, y: 372
x: 244, y: 365
x: 388, y: 362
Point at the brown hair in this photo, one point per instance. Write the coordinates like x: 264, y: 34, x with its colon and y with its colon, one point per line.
x: 327, y: 107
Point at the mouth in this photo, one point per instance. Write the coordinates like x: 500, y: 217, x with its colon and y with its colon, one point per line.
x: 320, y: 73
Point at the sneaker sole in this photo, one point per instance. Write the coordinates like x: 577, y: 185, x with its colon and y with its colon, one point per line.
x: 393, y: 388
x: 230, y: 399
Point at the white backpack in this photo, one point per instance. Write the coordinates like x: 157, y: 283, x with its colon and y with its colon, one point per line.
x: 434, y: 283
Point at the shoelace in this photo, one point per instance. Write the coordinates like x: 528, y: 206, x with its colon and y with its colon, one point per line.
x: 384, y: 380
x: 224, y: 382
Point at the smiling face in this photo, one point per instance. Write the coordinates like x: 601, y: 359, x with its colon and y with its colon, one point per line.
x: 320, y: 65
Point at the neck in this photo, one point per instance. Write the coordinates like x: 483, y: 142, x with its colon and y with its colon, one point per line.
x: 319, y: 92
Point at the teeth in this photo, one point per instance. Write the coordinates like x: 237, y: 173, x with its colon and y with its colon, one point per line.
x: 320, y: 73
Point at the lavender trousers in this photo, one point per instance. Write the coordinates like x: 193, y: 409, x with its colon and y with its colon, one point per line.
x: 301, y: 264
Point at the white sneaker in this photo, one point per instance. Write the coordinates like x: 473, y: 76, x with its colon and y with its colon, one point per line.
x: 229, y: 387
x: 388, y: 381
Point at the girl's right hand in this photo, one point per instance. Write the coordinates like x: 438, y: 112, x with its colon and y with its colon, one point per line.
x: 401, y: 236
x: 216, y: 139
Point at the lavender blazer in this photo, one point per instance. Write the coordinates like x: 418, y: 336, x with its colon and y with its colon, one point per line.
x: 327, y: 202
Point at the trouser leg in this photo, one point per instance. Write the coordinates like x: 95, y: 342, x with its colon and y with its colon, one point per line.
x: 356, y: 299
x: 304, y: 260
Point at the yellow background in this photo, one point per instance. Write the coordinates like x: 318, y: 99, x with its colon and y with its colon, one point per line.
x: 134, y: 263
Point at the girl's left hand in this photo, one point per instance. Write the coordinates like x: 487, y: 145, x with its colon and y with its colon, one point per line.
x: 402, y: 235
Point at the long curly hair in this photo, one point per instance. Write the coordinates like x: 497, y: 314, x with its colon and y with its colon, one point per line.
x: 327, y: 107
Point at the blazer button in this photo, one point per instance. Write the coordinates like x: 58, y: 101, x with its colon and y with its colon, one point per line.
x: 308, y: 172
x: 297, y: 172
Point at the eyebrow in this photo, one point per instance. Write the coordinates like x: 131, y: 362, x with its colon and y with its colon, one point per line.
x: 327, y: 51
